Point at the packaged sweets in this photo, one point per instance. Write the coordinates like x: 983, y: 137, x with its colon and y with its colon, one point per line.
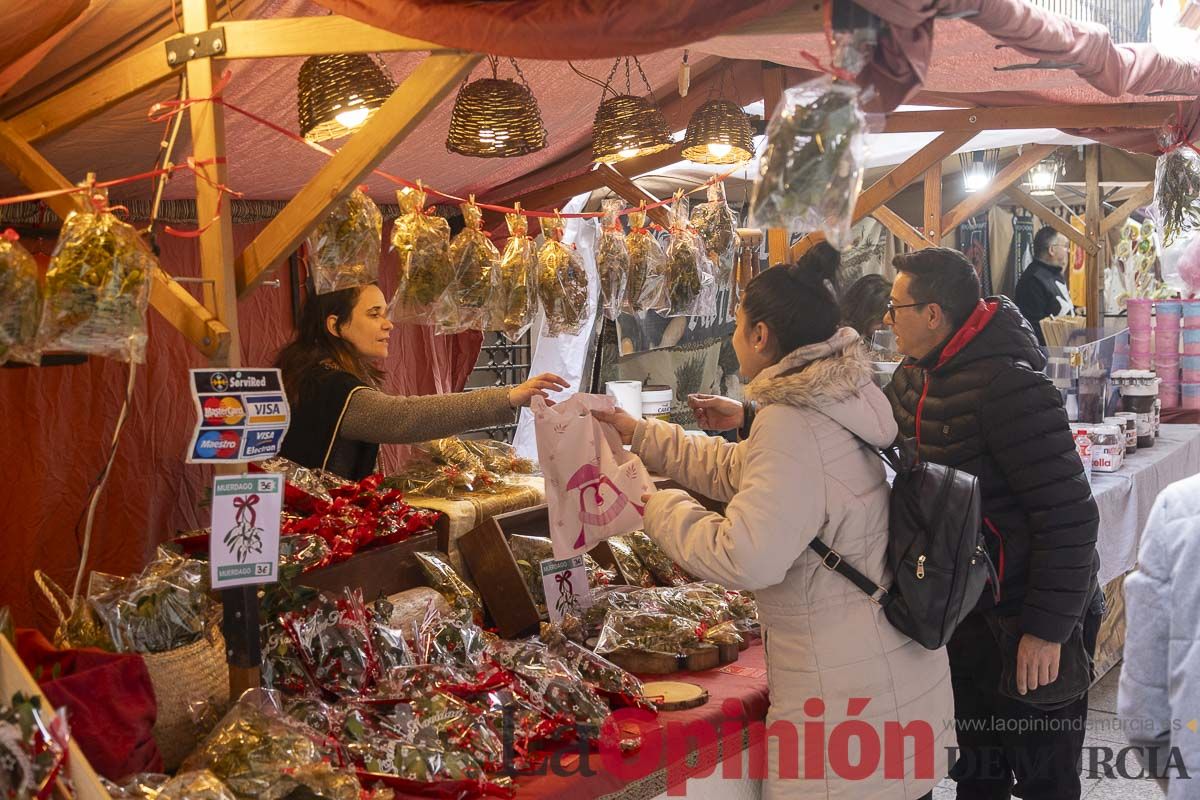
x: 20, y: 301
x: 473, y: 259
x: 612, y: 258
x: 644, y: 285
x: 422, y: 243
x: 562, y: 281
x: 97, y: 287
x: 516, y: 290
x: 811, y: 172
x: 343, y: 250
x: 458, y: 593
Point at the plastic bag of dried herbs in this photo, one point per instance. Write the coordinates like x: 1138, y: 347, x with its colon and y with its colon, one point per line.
x: 630, y: 566
x: 812, y: 169
x: 691, y: 285
x: 717, y: 225
x: 20, y: 301
x: 647, y: 631
x: 562, y: 281
x: 644, y: 285
x: 97, y: 287
x: 421, y: 240
x: 665, y: 571
x: 1176, y: 186
x: 473, y: 259
x: 458, y: 593
x: 515, y: 296
x: 612, y: 258
x: 343, y: 250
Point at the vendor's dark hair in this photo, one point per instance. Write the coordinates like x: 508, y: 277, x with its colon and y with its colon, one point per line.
x: 1043, y: 239
x: 795, y: 305
x: 824, y: 260
x: 865, y: 302
x: 943, y: 276
x: 315, y: 349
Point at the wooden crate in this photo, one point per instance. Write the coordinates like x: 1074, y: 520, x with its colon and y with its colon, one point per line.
x: 386, y: 569
x: 14, y: 677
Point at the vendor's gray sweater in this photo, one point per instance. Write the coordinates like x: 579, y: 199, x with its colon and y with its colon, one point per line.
x: 1160, y: 682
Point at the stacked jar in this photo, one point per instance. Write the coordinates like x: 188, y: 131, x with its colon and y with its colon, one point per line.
x: 1190, y: 362
x: 1139, y: 332
x: 1168, y: 315
x: 1139, y: 395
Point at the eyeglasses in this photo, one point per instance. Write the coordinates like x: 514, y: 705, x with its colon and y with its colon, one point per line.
x: 890, y: 313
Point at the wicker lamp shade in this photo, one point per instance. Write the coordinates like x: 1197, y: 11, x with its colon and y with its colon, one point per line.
x: 628, y: 126
x: 495, y: 118
x: 718, y: 133
x: 338, y: 93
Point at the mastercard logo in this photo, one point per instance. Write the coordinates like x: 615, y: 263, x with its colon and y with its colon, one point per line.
x: 223, y: 411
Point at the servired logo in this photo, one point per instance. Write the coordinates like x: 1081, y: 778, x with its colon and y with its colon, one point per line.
x: 218, y: 444
x: 223, y: 411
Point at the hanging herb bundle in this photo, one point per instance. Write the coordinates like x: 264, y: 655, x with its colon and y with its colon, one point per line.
x: 644, y: 282
x: 562, y: 281
x: 473, y: 259
x: 684, y: 253
x: 612, y: 258
x: 97, y: 287
x: 515, y: 301
x: 1177, y: 186
x: 343, y: 250
x: 717, y: 226
x: 422, y: 242
x: 20, y: 301
x: 811, y: 172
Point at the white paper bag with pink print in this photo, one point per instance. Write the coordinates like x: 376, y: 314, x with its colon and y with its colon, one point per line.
x: 594, y: 486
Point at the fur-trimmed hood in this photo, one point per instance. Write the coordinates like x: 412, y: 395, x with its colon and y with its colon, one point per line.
x: 833, y: 377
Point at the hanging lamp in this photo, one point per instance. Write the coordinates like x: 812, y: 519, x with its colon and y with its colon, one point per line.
x: 626, y: 125
x: 719, y: 131
x: 1043, y: 176
x: 338, y: 93
x: 496, y: 118
x: 978, y: 168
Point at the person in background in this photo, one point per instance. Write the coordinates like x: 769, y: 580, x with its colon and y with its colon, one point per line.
x: 804, y: 472
x: 340, y: 415
x: 1159, y: 696
x: 864, y: 304
x: 1042, y: 289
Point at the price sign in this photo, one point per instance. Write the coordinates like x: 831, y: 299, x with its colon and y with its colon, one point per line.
x: 244, y: 545
x: 566, y: 585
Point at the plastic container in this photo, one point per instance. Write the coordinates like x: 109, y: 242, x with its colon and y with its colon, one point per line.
x: 656, y: 402
x: 628, y: 395
x: 1190, y: 395
x: 1139, y: 389
x: 1108, y: 447
x: 1191, y: 314
x: 1191, y: 342
x: 1129, y: 420
x: 1139, y: 313
x: 1083, y: 446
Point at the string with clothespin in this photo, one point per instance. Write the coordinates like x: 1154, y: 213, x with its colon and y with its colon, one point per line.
x: 1175, y: 134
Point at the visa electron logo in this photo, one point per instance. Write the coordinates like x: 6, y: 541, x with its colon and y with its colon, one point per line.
x: 223, y: 411
x: 218, y: 444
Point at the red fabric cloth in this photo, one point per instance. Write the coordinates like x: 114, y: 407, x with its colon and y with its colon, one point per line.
x: 109, y: 700
x: 559, y: 29
x: 57, y: 423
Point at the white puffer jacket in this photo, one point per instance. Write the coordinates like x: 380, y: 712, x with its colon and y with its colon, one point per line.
x: 802, y: 474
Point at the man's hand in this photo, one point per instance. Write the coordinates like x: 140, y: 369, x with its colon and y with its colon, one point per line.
x: 1037, y: 663
x: 716, y: 413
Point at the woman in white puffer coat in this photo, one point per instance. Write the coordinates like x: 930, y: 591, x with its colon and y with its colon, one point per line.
x: 803, y: 473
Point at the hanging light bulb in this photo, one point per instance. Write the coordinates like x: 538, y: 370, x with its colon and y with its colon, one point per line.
x: 978, y: 168
x: 1043, y: 176
x: 338, y: 93
x: 496, y: 117
x: 718, y: 133
x: 626, y: 125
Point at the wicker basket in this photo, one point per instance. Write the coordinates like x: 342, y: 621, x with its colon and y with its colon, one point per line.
x: 196, y: 673
x: 494, y: 118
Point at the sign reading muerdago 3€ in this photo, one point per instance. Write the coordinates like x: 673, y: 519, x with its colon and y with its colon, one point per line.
x: 243, y: 415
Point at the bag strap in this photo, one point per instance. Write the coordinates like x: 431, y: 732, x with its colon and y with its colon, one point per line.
x: 832, y: 560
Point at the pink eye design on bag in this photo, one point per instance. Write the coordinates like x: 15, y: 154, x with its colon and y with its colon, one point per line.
x: 605, y: 507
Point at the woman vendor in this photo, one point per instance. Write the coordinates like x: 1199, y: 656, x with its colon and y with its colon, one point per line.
x: 339, y: 414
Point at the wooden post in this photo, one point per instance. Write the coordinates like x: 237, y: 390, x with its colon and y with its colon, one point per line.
x: 774, y: 82
x: 1117, y: 218
x: 933, y: 203
x: 900, y: 228
x: 1031, y: 204
x: 1095, y: 257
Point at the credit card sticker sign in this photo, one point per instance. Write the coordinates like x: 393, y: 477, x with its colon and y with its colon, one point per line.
x: 242, y: 415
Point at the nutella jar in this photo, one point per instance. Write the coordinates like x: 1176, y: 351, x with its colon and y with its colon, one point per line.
x: 1108, y: 447
x: 1129, y: 420
x: 1139, y: 389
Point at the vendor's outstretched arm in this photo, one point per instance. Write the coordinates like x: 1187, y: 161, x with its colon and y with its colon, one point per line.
x: 707, y: 465
x: 373, y: 416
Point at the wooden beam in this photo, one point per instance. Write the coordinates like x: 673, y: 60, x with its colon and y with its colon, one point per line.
x: 412, y: 101
x: 35, y: 172
x: 894, y: 182
x: 1117, y: 218
x: 933, y: 203
x: 1123, y: 115
x: 773, y: 83
x: 633, y: 194
x: 187, y: 315
x: 1009, y: 174
x: 312, y: 36
x: 95, y: 93
x: 1091, y: 219
x: 1031, y: 204
x: 900, y: 228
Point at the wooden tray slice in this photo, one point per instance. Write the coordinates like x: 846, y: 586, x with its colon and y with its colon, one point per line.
x: 675, y: 695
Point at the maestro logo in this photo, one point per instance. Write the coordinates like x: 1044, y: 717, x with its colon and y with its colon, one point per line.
x: 219, y: 382
x: 218, y: 444
x: 223, y: 411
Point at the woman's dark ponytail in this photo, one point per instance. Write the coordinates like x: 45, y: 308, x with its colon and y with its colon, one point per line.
x: 794, y: 303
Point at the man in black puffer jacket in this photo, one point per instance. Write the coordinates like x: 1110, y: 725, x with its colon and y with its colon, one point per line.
x: 971, y: 393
